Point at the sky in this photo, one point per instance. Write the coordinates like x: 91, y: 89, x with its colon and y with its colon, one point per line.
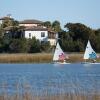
x: 74, y: 11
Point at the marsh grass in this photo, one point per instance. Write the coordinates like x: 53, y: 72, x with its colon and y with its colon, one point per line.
x: 25, y: 58
x: 28, y: 94
x: 38, y: 58
x: 68, y: 96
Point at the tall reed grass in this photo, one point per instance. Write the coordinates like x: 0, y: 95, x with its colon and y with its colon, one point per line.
x: 38, y: 58
x: 26, y: 92
x: 25, y: 58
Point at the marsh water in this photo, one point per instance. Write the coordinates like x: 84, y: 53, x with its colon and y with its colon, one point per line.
x: 45, y: 78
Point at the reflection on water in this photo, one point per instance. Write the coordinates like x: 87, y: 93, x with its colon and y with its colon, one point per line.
x: 40, y: 78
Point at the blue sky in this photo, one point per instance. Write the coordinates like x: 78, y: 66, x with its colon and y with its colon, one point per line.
x: 82, y: 11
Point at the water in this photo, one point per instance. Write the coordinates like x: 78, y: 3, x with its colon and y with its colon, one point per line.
x: 40, y: 79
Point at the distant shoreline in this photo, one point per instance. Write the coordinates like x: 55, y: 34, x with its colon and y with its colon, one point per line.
x: 38, y: 58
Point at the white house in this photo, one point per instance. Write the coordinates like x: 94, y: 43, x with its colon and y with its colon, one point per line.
x: 37, y: 32
x: 35, y: 28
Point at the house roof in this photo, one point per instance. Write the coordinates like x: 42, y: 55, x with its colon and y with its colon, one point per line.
x: 30, y: 21
x: 39, y: 28
x: 36, y: 29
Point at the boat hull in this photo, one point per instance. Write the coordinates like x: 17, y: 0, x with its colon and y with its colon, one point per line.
x: 60, y: 63
x: 89, y: 63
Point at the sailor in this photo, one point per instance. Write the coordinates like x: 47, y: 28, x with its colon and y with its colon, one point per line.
x: 93, y: 60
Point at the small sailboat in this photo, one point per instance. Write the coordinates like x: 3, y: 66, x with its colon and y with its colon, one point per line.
x: 90, y: 54
x: 59, y: 56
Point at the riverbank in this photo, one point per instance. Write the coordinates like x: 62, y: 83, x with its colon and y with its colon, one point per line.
x: 38, y: 58
x: 29, y: 96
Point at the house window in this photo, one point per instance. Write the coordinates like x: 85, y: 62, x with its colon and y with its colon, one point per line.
x: 29, y: 35
x: 42, y: 34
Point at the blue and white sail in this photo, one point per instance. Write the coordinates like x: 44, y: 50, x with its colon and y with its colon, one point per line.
x: 89, y: 52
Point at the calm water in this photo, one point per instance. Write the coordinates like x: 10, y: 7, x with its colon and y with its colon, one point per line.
x: 48, y: 78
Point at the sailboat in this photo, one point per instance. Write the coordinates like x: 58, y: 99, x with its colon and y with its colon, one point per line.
x: 59, y: 56
x: 90, y: 54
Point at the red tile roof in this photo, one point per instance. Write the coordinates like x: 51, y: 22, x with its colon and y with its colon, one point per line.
x: 39, y: 28
x: 30, y: 21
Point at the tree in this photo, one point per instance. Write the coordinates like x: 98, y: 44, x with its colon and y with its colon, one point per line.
x: 78, y: 31
x: 1, y: 32
x: 65, y: 41
x: 47, y: 24
x: 18, y: 46
x: 9, y: 22
x: 1, y: 45
x: 97, y: 40
x: 16, y: 32
x: 45, y: 46
x: 34, y: 45
x: 5, y: 43
x: 56, y: 26
x: 80, y: 35
x: 79, y: 46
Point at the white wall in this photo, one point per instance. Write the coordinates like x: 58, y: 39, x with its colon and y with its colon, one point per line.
x: 52, y: 41
x: 29, y: 25
x: 36, y: 34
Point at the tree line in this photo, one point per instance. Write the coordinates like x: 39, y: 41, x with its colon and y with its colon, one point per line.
x: 73, y: 39
x: 76, y: 36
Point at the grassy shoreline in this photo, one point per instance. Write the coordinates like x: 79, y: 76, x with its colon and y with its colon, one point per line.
x: 29, y: 96
x: 38, y: 58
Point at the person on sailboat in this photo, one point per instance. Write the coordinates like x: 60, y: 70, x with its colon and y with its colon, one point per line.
x: 90, y: 53
x: 62, y: 57
x: 93, y: 60
x: 93, y: 56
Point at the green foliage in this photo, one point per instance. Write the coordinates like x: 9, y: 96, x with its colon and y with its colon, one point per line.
x: 78, y: 31
x: 5, y: 43
x: 72, y: 40
x: 68, y: 46
x: 97, y: 40
x: 47, y: 24
x: 18, y: 46
x: 34, y: 45
x: 1, y: 45
x: 16, y: 32
x: 45, y: 47
x: 1, y: 32
x: 56, y: 26
x: 79, y: 46
x: 9, y: 22
x: 75, y: 39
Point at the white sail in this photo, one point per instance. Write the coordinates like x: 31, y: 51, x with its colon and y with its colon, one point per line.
x: 58, y: 54
x: 89, y: 52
